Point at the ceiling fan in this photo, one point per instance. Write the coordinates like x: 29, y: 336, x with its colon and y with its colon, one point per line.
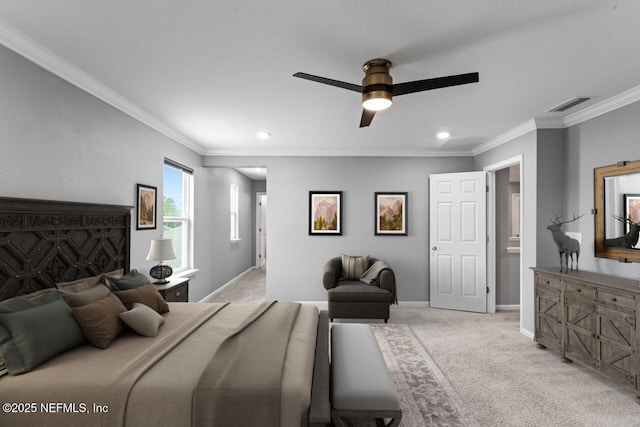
x: 377, y: 87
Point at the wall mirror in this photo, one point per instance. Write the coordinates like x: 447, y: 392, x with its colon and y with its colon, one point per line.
x: 617, y: 215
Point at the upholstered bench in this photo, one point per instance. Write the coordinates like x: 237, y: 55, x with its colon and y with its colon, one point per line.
x: 360, y: 382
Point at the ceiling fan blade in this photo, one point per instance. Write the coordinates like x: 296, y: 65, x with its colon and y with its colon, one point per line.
x: 437, y: 83
x: 330, y: 82
x: 367, y: 116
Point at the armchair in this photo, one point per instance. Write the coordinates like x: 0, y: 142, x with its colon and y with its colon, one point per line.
x: 355, y: 298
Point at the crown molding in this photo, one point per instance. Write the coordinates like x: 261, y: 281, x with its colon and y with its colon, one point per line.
x: 611, y: 104
x: 337, y: 153
x: 615, y: 102
x: 510, y: 135
x: 45, y: 58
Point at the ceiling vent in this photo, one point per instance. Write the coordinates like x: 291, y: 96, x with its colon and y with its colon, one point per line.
x: 568, y: 104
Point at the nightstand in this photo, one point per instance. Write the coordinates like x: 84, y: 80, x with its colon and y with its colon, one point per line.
x: 177, y: 290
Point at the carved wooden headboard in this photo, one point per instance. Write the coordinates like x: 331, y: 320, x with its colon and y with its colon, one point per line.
x: 44, y: 242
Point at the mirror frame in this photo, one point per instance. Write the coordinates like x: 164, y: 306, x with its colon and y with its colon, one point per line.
x: 599, y: 174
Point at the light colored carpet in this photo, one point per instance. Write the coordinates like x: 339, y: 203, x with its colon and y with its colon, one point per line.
x: 426, y: 397
x: 500, y: 376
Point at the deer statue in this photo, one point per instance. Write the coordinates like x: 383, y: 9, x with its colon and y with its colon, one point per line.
x: 630, y: 239
x: 566, y: 245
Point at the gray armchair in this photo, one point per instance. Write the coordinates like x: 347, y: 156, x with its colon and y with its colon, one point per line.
x: 356, y: 299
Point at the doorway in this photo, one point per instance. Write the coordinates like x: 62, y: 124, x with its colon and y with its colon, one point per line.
x: 261, y: 229
x: 504, y: 219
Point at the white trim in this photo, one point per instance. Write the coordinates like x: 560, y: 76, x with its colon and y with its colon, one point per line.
x: 491, y: 227
x: 505, y: 137
x: 186, y: 273
x: 334, y: 153
x: 508, y: 307
x: 226, y: 285
x: 513, y: 249
x: 526, y: 332
x: 40, y: 55
x: 603, y: 107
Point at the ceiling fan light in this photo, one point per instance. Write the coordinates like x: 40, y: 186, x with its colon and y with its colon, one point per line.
x: 376, y: 103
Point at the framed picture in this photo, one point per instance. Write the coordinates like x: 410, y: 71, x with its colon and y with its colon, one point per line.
x: 325, y: 213
x: 391, y: 214
x: 146, y: 207
x: 631, y: 209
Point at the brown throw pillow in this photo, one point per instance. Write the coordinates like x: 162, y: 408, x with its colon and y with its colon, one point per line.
x: 99, y: 320
x: 147, y: 295
x: 87, y: 296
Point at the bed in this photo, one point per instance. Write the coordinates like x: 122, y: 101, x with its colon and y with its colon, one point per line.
x: 260, y: 364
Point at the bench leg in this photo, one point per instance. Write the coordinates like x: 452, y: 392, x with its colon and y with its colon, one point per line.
x: 338, y: 421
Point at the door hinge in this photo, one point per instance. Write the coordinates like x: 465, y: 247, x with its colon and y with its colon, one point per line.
x: 487, y: 188
x: 487, y: 239
x: 487, y: 289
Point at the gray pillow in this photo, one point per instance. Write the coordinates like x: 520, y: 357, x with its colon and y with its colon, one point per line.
x: 142, y: 319
x: 33, y: 329
x: 3, y: 366
x: 81, y: 284
x: 131, y: 280
x: 354, y: 266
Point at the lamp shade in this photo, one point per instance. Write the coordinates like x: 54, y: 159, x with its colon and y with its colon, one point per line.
x: 160, y: 250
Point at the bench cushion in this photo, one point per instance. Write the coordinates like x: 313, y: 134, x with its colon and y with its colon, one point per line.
x: 359, y: 376
x: 355, y: 291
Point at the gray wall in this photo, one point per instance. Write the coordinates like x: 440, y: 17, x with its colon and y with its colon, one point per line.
x: 296, y: 259
x: 602, y: 141
x: 60, y: 143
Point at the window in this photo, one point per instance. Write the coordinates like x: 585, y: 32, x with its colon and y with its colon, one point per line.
x: 178, y: 213
x: 233, y: 196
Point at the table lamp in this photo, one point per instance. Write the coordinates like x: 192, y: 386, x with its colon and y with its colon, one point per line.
x: 161, y: 250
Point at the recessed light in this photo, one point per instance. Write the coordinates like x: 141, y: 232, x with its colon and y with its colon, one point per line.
x: 443, y: 135
x: 263, y: 135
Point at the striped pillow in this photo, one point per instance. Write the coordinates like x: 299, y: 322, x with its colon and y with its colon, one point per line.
x: 354, y: 266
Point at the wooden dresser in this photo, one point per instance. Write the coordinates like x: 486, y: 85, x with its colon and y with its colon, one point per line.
x: 591, y: 319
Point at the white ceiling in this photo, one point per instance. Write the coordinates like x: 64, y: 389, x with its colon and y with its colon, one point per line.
x: 210, y: 74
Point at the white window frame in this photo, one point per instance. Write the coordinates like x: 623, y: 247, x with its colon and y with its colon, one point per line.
x: 187, y: 216
x: 234, y: 214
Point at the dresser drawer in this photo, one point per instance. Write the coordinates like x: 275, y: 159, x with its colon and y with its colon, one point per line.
x: 548, y: 281
x: 577, y: 289
x: 612, y: 299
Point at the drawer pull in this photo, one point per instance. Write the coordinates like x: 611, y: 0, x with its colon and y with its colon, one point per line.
x: 614, y: 299
x: 548, y: 282
x: 579, y: 290
x: 178, y: 293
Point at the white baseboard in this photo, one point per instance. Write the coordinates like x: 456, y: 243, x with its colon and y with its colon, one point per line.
x: 413, y: 304
x: 508, y: 307
x: 226, y: 285
x: 527, y: 333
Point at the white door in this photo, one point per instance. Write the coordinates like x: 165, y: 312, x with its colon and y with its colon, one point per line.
x: 458, y: 241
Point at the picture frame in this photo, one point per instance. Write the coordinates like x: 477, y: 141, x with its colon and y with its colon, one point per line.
x: 325, y: 213
x: 147, y: 201
x: 631, y: 209
x: 391, y: 214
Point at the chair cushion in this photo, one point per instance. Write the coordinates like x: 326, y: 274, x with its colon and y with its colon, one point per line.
x: 354, y: 291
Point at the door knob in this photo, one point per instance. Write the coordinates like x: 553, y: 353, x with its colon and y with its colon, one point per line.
x: 434, y: 248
